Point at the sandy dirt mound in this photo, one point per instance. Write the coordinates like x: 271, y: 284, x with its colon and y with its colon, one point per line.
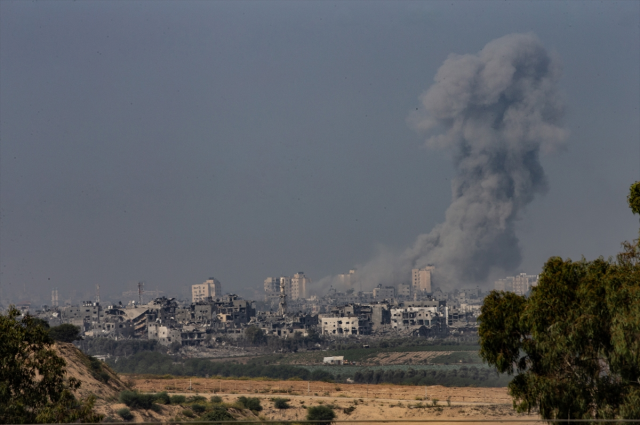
x: 79, y: 367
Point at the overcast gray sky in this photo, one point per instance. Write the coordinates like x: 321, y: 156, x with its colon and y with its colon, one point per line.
x: 173, y: 141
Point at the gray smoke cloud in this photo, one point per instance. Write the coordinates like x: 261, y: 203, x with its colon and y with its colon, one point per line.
x: 494, y: 112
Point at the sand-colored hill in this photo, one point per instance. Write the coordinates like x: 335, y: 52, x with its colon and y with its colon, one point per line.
x: 79, y: 366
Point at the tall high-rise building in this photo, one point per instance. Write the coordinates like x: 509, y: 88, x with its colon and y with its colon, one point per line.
x: 294, y: 287
x: 421, y: 279
x: 299, y: 286
x: 271, y: 286
x: 210, y: 288
x: 349, y: 280
x: 523, y: 282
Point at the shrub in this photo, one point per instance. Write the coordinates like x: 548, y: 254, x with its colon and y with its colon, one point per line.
x: 281, y: 403
x: 136, y: 400
x: 125, y: 413
x: 65, y: 333
x: 349, y: 410
x: 321, y: 413
x: 216, y: 399
x: 217, y: 414
x: 251, y: 403
x: 188, y: 413
x: 198, y: 408
x: 156, y: 408
x: 196, y: 399
x: 178, y: 399
x: 163, y: 398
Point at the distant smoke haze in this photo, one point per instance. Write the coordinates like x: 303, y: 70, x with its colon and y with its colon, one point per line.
x: 494, y: 112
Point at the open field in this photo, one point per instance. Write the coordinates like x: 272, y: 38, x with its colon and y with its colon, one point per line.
x: 421, y: 354
x: 411, y: 393
x: 352, y: 401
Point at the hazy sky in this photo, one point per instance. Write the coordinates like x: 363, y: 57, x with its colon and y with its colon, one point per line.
x: 173, y: 141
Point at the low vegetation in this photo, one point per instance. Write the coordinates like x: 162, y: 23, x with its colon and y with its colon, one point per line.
x: 251, y: 403
x: 324, y: 414
x: 125, y: 413
x: 281, y: 403
x: 462, y: 375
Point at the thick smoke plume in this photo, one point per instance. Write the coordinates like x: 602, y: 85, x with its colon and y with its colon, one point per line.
x: 495, y: 112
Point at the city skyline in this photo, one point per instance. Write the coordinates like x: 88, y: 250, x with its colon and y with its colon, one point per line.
x: 167, y: 143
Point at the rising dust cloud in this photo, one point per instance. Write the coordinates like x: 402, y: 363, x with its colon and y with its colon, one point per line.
x: 494, y: 112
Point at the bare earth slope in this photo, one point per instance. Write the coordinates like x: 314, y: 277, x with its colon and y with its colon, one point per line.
x: 79, y: 367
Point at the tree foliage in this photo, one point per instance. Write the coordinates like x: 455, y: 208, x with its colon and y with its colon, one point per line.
x: 33, y: 388
x: 65, y: 333
x: 255, y: 335
x: 634, y: 198
x: 321, y: 413
x: 574, y: 344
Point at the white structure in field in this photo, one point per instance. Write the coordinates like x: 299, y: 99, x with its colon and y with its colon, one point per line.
x: 421, y: 279
x: 210, y: 288
x: 339, y: 360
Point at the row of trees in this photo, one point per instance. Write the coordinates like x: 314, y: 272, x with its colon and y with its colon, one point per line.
x: 158, y: 363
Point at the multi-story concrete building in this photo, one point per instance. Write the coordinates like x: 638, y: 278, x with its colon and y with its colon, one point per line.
x: 344, y: 326
x: 348, y: 280
x: 295, y: 288
x: 421, y: 279
x: 384, y: 292
x: 210, y: 288
x: 88, y: 311
x: 523, y: 283
x: 520, y: 284
x: 271, y: 286
x: 404, y: 290
x: 298, y: 286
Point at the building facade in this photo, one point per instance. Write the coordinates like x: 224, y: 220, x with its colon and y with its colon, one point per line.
x: 210, y: 288
x: 421, y: 279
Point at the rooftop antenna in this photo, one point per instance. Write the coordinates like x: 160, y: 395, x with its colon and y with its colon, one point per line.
x: 140, y: 291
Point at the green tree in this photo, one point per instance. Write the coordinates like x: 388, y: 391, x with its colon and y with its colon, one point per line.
x: 574, y: 343
x: 33, y: 388
x: 65, y: 333
x: 255, y: 335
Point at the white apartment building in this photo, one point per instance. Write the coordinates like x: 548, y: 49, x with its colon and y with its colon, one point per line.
x: 421, y: 279
x: 348, y: 280
x: 407, y: 317
x: 344, y: 326
x: 164, y: 334
x: 299, y: 286
x: 210, y: 288
x: 520, y: 284
x: 294, y: 287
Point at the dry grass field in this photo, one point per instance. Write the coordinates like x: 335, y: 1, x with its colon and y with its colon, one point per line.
x: 351, y: 401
